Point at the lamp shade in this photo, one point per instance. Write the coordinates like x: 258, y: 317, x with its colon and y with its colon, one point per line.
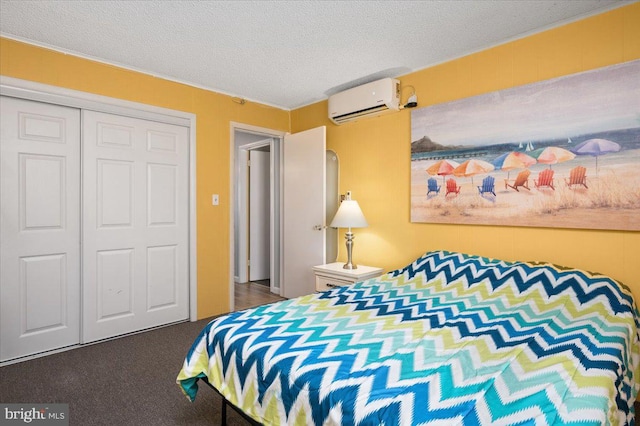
x: 349, y: 215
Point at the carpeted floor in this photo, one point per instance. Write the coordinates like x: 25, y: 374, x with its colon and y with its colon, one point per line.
x: 126, y: 381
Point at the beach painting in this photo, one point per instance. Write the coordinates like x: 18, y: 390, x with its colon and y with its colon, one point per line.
x: 558, y: 153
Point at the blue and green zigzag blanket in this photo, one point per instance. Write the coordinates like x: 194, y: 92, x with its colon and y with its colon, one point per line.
x: 449, y: 339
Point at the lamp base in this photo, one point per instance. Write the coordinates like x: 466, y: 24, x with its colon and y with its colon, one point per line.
x: 349, y: 237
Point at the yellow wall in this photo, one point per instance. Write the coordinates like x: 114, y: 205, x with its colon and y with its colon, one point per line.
x: 214, y: 113
x: 375, y: 154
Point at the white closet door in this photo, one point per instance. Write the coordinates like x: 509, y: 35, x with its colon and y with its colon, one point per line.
x: 135, y: 229
x: 40, y: 227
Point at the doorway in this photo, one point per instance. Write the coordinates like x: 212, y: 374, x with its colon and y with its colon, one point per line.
x: 307, y: 161
x: 259, y: 212
x: 256, y: 199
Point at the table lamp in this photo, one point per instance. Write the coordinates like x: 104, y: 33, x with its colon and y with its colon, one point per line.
x: 349, y: 216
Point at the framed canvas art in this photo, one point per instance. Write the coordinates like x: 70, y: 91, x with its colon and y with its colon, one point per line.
x: 558, y: 153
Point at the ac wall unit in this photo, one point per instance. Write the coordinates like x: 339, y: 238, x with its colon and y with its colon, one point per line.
x: 366, y: 100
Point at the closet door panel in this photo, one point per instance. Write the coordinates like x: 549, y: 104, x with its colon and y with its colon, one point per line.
x: 40, y: 227
x: 135, y: 234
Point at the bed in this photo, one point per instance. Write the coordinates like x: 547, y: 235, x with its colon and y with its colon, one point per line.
x: 449, y: 339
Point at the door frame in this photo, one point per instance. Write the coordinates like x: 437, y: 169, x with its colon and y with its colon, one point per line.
x: 262, y: 239
x: 276, y: 137
x: 39, y: 92
x: 244, y: 243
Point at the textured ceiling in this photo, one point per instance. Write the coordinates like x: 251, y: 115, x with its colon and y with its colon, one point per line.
x: 282, y: 53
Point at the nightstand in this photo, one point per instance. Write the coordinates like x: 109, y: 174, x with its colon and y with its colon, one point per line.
x: 334, y: 275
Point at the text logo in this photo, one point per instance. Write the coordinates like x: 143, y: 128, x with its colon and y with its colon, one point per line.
x: 34, y: 414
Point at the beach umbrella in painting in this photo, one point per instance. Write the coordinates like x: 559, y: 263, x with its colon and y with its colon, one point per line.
x: 552, y: 155
x: 442, y: 168
x: 596, y: 148
x: 473, y: 167
x: 513, y: 160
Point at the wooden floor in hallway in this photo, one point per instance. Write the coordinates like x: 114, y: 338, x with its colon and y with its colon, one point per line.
x: 249, y: 295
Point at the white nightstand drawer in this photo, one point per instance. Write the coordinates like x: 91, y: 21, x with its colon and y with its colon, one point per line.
x: 327, y: 283
x: 333, y: 275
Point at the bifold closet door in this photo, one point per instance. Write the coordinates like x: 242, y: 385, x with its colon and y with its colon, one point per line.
x: 135, y: 228
x: 40, y: 227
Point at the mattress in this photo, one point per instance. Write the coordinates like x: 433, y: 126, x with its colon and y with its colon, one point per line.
x: 449, y: 339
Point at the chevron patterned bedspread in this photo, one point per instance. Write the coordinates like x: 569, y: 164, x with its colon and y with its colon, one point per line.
x: 449, y: 339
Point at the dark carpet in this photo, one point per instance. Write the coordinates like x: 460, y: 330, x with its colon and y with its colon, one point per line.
x: 126, y: 381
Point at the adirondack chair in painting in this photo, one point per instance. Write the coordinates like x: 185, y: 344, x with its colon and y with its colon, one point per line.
x: 522, y: 180
x: 488, y: 186
x: 545, y: 179
x: 577, y: 176
x: 452, y: 187
x: 432, y: 186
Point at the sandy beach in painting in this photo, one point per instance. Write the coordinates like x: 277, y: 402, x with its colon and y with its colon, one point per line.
x: 611, y: 201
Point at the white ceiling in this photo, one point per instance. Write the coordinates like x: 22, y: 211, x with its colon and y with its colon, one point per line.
x: 282, y: 53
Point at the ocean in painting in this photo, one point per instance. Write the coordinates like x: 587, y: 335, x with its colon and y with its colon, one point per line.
x: 628, y: 139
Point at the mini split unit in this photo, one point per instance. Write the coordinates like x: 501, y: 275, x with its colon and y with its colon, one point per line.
x: 366, y: 100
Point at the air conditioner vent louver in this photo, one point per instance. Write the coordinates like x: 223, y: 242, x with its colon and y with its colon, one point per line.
x: 365, y: 101
x: 363, y: 112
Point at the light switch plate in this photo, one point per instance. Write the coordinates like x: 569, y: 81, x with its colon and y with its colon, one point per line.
x: 215, y: 200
